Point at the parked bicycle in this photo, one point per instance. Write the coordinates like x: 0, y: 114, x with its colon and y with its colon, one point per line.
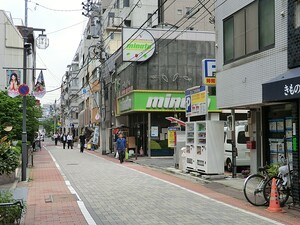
x: 254, y: 187
x: 283, y: 185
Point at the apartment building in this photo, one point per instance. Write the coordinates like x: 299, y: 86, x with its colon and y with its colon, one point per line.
x: 258, y: 69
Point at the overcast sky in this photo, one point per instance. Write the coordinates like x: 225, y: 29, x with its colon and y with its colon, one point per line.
x: 64, y: 24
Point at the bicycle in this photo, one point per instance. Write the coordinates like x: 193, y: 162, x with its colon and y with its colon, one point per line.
x: 254, y: 187
x: 283, y: 185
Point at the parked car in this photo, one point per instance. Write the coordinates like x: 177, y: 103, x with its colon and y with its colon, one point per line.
x: 243, y: 157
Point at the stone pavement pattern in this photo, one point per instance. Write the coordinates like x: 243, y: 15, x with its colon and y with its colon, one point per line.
x: 120, y: 194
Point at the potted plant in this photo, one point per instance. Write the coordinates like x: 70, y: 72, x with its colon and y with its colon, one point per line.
x: 10, y: 209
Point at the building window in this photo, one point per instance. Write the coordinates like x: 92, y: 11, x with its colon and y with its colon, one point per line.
x: 125, y: 3
x: 179, y: 11
x: 127, y: 23
x: 188, y: 10
x: 149, y: 20
x: 297, y: 14
x: 112, y: 35
x: 266, y: 23
x: 249, y: 30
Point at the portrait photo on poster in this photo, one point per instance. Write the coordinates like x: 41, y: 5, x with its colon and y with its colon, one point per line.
x: 13, y: 82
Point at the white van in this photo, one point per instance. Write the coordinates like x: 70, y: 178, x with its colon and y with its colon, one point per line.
x: 243, y: 154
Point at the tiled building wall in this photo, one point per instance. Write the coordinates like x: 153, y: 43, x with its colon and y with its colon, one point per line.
x: 240, y: 83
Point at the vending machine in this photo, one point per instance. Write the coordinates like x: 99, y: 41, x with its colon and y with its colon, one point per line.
x: 205, y: 147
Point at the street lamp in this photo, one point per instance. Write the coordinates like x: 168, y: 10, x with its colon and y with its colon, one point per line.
x: 26, y: 51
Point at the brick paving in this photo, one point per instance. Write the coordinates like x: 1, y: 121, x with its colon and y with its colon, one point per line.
x: 46, y: 182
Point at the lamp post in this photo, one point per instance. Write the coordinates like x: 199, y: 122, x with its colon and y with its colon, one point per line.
x: 27, y: 46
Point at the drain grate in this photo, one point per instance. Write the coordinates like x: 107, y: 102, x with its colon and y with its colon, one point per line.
x: 61, y: 198
x: 72, y: 164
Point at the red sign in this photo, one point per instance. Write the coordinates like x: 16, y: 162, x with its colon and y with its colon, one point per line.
x: 23, y: 89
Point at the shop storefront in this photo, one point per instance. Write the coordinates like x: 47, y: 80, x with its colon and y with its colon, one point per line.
x: 281, y: 123
x: 147, y: 112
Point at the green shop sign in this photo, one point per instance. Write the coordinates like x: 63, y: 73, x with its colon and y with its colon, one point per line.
x: 152, y: 101
x: 157, y: 101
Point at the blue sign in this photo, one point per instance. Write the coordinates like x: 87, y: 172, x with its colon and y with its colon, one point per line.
x: 209, y: 72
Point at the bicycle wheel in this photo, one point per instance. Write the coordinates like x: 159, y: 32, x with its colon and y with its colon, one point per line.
x: 253, y: 190
x: 283, y: 190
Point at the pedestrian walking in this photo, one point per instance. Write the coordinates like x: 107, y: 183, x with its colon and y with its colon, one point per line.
x: 70, y: 141
x: 55, y: 136
x: 121, y: 147
x: 82, y: 139
x: 64, y: 140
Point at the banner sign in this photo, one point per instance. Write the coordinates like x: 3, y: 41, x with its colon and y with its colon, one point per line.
x: 13, y: 82
x: 39, y: 89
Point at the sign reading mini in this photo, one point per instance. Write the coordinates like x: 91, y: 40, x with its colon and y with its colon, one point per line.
x: 138, y: 44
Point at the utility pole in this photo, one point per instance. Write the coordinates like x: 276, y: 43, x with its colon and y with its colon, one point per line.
x: 94, y: 12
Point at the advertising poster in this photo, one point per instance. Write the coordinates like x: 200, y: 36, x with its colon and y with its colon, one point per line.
x: 196, y: 99
x: 172, y: 136
x: 39, y: 89
x: 13, y: 82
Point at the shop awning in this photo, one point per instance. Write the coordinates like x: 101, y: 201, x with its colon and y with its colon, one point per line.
x: 175, y: 120
x: 283, y: 87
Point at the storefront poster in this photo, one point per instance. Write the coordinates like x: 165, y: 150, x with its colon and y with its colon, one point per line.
x: 154, y: 131
x: 172, y: 136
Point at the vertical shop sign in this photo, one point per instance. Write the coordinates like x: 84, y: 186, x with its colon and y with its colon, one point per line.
x: 172, y: 136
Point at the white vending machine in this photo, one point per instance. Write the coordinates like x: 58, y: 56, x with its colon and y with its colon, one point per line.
x: 190, y: 147
x: 206, y: 147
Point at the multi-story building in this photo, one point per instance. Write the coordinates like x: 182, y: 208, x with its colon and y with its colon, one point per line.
x: 12, y: 49
x: 258, y: 69
x: 97, y: 87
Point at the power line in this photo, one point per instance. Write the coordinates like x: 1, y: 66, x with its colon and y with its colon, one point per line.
x: 66, y: 27
x: 51, y: 9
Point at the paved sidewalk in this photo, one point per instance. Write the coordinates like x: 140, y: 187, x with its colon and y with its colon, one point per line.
x: 49, y: 201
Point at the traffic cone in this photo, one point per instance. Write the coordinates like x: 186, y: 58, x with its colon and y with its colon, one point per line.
x: 274, y: 205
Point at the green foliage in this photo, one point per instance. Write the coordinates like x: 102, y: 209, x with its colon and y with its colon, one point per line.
x: 9, y: 159
x: 11, y: 111
x: 10, y: 214
x: 272, y: 169
x: 48, y: 125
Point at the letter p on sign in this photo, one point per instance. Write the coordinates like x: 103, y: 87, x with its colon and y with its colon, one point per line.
x: 209, y: 72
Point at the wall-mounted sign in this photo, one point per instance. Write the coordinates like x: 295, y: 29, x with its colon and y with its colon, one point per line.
x: 160, y: 101
x: 209, y: 72
x: 196, y: 101
x: 138, y: 44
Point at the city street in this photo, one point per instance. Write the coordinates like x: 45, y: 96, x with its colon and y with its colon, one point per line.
x: 116, y: 193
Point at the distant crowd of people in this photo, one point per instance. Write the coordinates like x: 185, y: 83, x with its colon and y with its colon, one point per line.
x: 68, y: 139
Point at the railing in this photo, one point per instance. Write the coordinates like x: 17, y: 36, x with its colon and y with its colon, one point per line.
x: 11, y: 212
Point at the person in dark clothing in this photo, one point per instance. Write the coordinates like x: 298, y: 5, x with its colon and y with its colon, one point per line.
x: 121, y: 147
x: 82, y: 139
x: 64, y: 140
